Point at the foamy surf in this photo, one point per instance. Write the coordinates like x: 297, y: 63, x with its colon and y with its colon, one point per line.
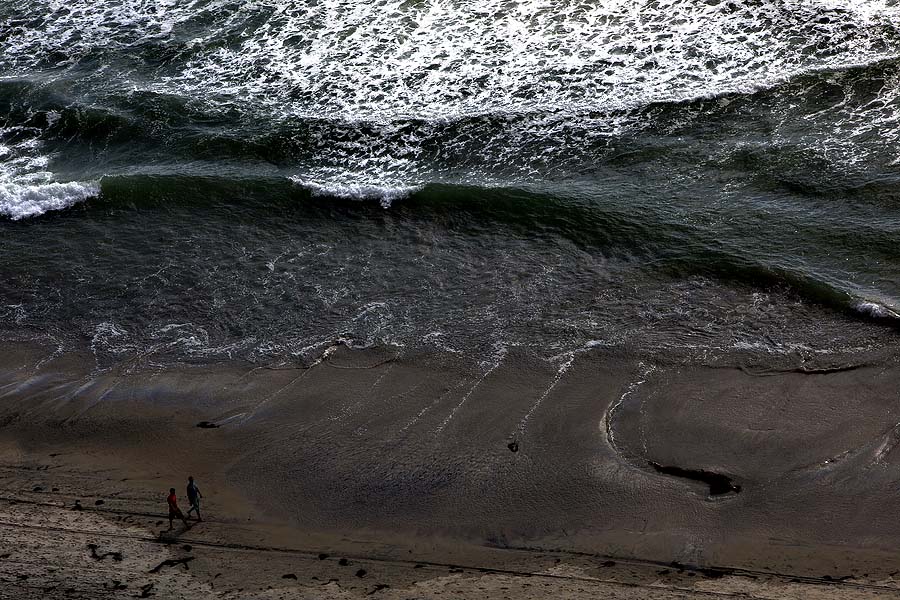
x: 27, y: 188
x: 384, y: 194
x: 386, y: 88
x: 876, y: 310
x: 18, y: 201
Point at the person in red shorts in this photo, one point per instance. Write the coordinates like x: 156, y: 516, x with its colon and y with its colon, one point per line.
x: 174, y: 511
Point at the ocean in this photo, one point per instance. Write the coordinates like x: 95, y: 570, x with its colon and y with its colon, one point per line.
x: 194, y: 181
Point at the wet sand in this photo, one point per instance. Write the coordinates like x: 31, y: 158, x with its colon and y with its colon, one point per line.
x: 620, y: 476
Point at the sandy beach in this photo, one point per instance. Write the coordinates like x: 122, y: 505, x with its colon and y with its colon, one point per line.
x: 366, y: 473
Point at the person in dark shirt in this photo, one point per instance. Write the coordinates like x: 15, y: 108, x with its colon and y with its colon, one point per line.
x: 174, y: 511
x: 194, y: 495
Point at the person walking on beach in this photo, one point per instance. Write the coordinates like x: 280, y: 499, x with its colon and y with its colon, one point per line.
x: 194, y: 495
x: 174, y: 511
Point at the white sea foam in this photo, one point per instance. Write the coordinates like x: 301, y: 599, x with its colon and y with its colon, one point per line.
x: 111, y: 338
x: 444, y: 60
x: 385, y: 194
x: 564, y: 73
x: 21, y: 201
x: 874, y: 309
x: 83, y: 25
x: 27, y: 188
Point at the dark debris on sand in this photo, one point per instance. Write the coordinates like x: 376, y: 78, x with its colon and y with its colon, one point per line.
x: 116, y: 556
x: 172, y: 562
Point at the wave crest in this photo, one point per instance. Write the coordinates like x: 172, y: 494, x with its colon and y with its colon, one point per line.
x: 876, y: 310
x: 385, y: 194
x: 18, y: 201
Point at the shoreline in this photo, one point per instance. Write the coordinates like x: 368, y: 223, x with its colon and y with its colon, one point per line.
x: 378, y: 458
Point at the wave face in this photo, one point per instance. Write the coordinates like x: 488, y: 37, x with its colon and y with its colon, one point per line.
x: 698, y: 151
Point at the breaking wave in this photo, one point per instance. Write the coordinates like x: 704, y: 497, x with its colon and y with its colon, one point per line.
x: 385, y: 195
x: 21, y: 201
x: 27, y: 189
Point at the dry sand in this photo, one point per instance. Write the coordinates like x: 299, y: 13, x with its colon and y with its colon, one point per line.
x: 377, y: 473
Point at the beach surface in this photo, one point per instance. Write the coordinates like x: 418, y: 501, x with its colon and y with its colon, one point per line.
x: 368, y: 472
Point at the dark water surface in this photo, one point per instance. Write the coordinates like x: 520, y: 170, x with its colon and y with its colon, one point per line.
x: 208, y: 179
